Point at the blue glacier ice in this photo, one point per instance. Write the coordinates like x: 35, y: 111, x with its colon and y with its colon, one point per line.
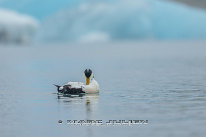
x: 37, y: 8
x: 125, y: 20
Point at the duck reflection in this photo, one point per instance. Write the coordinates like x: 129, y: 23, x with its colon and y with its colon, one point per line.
x: 70, y: 99
x: 91, y: 111
x: 90, y: 101
x: 91, y: 105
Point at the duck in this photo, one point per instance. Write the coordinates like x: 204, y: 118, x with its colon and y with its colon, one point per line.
x: 75, y: 88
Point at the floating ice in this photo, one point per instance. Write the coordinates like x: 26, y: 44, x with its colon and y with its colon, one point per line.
x: 15, y: 27
x: 125, y: 20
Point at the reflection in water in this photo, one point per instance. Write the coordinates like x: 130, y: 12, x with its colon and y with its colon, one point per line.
x: 71, y: 99
x: 90, y: 100
x: 91, y: 110
x: 91, y: 106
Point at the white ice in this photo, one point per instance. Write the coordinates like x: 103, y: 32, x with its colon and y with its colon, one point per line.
x: 16, y: 27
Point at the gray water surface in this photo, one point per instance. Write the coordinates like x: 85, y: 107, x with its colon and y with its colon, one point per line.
x: 161, y: 82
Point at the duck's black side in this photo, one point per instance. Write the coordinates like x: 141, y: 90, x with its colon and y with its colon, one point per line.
x: 68, y: 90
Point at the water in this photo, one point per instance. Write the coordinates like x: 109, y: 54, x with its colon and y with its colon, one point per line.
x: 161, y: 82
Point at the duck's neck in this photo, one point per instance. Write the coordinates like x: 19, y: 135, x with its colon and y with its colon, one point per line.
x: 87, y: 81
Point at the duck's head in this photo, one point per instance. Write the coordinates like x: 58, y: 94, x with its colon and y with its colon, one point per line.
x: 88, y: 74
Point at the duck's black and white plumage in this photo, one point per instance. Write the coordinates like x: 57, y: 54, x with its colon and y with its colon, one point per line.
x: 71, y: 88
x: 80, y: 88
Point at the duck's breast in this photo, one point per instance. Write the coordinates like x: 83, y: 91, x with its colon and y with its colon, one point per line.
x: 93, y: 87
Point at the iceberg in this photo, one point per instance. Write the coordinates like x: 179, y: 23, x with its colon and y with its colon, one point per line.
x: 15, y: 27
x: 125, y: 20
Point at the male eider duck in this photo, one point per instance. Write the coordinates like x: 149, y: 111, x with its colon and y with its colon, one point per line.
x: 90, y: 87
